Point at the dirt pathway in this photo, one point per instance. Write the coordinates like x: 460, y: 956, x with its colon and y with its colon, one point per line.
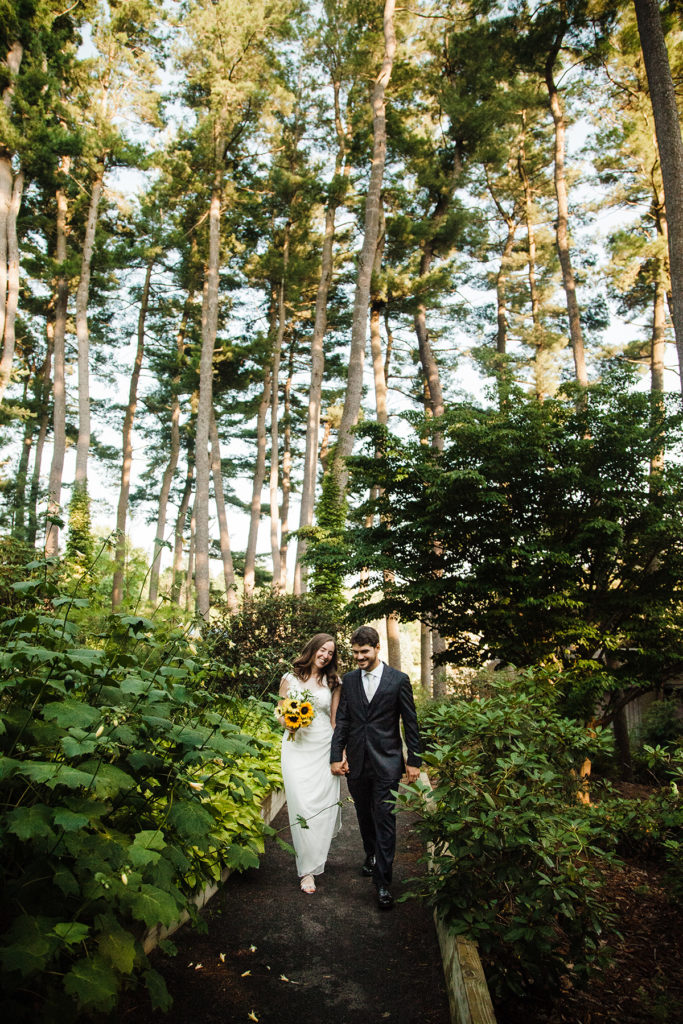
x: 277, y: 956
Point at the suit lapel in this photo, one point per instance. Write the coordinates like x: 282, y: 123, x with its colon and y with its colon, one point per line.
x: 383, y: 680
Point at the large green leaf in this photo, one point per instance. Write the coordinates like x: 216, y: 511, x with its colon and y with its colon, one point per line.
x: 71, y: 932
x: 117, y: 946
x: 70, y: 713
x: 29, y: 945
x: 190, y: 818
x: 93, y: 983
x: 55, y: 773
x: 69, y: 820
x: 30, y: 822
x: 158, y: 993
x: 154, y: 906
x: 108, y: 780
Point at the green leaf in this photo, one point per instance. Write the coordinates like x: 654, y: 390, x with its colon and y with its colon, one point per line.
x: 190, y: 818
x: 29, y: 945
x: 69, y: 820
x: 93, y: 983
x: 66, y: 881
x: 54, y: 774
x: 30, y: 822
x: 7, y: 766
x: 85, y: 656
x: 117, y: 946
x: 108, y: 780
x: 71, y: 713
x: 71, y: 932
x: 154, y: 906
x: 158, y: 993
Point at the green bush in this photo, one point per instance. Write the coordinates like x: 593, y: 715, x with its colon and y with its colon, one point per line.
x: 124, y: 786
x: 651, y: 827
x: 253, y: 649
x: 516, y: 862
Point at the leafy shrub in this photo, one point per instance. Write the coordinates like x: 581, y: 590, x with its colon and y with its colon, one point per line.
x: 252, y: 650
x: 651, y: 827
x: 515, y: 863
x: 123, y: 787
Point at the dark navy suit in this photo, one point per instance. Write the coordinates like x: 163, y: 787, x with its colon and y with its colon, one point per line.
x: 370, y: 733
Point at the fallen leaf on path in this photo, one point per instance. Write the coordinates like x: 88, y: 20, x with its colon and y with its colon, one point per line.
x: 222, y: 957
x: 252, y: 1016
x: 252, y: 949
x: 245, y: 974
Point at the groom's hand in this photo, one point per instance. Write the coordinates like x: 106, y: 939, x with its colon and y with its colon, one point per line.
x: 412, y: 773
x: 339, y: 767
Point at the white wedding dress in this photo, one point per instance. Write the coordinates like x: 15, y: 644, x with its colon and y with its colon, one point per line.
x: 311, y: 789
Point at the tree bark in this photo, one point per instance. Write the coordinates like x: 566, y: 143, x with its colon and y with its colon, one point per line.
x: 257, y: 488
x: 670, y: 145
x: 426, y: 659
x: 83, y: 335
x: 176, y: 586
x: 354, y: 387
x: 380, y: 367
x: 226, y: 553
x: 286, y: 469
x: 127, y: 445
x: 59, y: 377
x: 43, y: 394
x: 274, y: 419
x: 204, y: 409
x: 562, y: 230
x: 11, y: 191
x: 171, y: 465
x: 318, y: 361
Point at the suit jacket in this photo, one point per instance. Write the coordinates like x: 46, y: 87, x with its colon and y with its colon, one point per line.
x: 370, y: 730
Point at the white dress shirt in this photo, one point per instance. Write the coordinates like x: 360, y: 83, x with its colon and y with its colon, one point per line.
x: 371, y: 680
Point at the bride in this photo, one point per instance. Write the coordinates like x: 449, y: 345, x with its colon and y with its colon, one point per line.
x: 311, y: 790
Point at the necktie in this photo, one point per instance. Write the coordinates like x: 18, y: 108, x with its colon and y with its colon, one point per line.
x: 369, y: 682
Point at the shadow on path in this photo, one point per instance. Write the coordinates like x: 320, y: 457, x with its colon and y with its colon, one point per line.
x: 275, y: 954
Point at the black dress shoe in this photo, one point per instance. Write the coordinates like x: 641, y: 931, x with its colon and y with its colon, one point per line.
x: 368, y: 865
x: 385, y: 900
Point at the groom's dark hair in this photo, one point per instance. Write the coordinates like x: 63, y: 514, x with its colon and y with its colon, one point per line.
x: 365, y: 635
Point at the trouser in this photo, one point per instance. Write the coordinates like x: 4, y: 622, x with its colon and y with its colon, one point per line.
x: 376, y: 821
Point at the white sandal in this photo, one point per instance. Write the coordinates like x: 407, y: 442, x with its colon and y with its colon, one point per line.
x: 307, y: 884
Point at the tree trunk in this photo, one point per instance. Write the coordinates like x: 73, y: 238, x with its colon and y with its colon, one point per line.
x: 274, y: 420
x: 670, y: 145
x: 19, y: 495
x: 286, y: 470
x: 204, y: 409
x: 10, y: 199
x: 257, y: 489
x: 426, y: 659
x: 82, y: 333
x: 11, y: 190
x: 59, y: 381
x: 43, y: 393
x: 172, y: 463
x: 380, y: 368
x: 191, y: 563
x: 318, y: 362
x: 176, y: 586
x: 226, y: 553
x: 562, y: 230
x: 127, y: 445
x: 354, y: 386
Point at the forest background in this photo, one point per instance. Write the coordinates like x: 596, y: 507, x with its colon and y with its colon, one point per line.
x: 207, y: 210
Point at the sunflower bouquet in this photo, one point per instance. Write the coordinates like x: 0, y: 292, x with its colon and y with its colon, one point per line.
x: 298, y: 712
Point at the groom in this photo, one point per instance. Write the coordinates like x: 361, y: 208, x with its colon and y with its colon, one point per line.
x: 374, y: 700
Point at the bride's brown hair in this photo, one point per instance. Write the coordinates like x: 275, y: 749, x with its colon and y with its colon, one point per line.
x: 303, y: 665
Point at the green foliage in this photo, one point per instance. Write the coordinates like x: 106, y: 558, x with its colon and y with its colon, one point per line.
x: 662, y: 724
x: 651, y: 827
x: 125, y: 783
x: 80, y: 540
x: 539, y: 533
x: 250, y: 651
x: 515, y: 863
x: 327, y: 551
